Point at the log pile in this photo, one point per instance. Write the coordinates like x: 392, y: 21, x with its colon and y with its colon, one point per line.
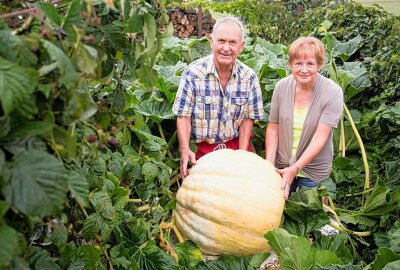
x: 191, y: 22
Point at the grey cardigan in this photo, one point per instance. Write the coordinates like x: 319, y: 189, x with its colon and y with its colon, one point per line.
x: 326, y: 107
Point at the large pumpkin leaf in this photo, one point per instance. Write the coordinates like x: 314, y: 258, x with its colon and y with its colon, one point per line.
x: 9, y: 245
x: 16, y: 84
x: 345, y: 49
x: 383, y: 257
x: 156, y: 110
x: 68, y: 74
x: 294, y: 252
x: 37, y: 183
x: 151, y: 142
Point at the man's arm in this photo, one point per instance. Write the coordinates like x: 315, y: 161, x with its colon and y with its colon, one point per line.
x: 317, y: 143
x: 245, y: 131
x: 271, y: 141
x: 184, y: 128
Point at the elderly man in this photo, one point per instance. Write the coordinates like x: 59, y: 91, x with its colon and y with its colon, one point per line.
x: 218, y: 98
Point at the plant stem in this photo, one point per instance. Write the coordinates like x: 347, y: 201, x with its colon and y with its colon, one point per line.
x: 135, y: 200
x: 144, y: 208
x: 362, y: 148
x: 359, y: 193
x: 160, y: 130
x: 24, y: 11
x: 342, y: 144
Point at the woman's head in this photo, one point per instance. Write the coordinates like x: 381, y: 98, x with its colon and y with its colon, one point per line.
x: 307, y: 46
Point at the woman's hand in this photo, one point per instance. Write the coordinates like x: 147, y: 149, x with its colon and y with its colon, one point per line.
x: 288, y: 174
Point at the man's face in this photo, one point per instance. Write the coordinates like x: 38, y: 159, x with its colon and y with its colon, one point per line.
x: 226, y: 43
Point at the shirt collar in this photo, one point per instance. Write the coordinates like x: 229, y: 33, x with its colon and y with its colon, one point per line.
x: 211, y: 68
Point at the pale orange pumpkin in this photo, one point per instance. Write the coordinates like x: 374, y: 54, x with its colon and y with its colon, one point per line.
x: 230, y: 199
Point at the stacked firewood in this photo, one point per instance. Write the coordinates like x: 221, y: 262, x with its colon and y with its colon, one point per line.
x: 191, y: 22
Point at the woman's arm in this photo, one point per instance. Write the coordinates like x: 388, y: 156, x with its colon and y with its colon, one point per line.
x: 317, y: 143
x: 271, y: 141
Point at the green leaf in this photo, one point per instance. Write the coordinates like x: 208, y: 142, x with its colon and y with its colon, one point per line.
x: 96, y: 224
x: 150, y: 171
x: 147, y: 75
x: 62, y: 142
x: 83, y: 257
x: 151, y: 142
x: 68, y: 74
x: 225, y: 262
x: 50, y: 11
x: 394, y: 237
x: 189, y: 254
x: 9, y: 245
x: 101, y: 222
x: 37, y: 186
x: 156, y: 110
x: 346, y: 49
x: 16, y: 84
x: 305, y: 207
x: 118, y: 100
x: 59, y: 235
x: 336, y: 244
x: 392, y: 265
x: 151, y: 257
x: 79, y: 187
x: 6, y: 126
x: 383, y: 257
x: 86, y: 58
x: 293, y: 252
x: 135, y: 24
x: 80, y: 106
x: 32, y: 128
x: 73, y: 18
x: 15, y: 50
x: 39, y: 258
x: 375, y: 201
x: 150, y: 29
x: 325, y: 258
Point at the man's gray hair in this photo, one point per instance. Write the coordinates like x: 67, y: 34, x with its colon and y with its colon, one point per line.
x: 228, y: 20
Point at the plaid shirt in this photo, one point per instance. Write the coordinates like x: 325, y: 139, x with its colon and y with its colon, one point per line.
x: 216, y: 114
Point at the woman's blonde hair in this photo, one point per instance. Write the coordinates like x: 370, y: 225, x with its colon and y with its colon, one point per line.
x: 307, y: 46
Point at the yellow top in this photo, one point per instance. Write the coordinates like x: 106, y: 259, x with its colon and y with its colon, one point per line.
x: 298, y: 122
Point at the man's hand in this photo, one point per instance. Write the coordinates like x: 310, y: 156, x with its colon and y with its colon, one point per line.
x: 288, y: 174
x: 186, y: 157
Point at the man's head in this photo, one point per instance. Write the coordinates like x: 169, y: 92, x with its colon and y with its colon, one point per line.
x: 227, y: 42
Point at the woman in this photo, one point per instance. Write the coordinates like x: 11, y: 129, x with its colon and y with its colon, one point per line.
x: 305, y: 108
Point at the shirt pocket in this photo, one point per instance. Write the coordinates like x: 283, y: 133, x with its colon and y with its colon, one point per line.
x: 203, y: 108
x: 239, y: 104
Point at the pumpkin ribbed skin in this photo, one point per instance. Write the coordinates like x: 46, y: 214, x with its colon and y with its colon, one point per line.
x: 230, y: 199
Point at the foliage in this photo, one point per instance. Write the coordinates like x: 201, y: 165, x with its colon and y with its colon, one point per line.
x: 88, y: 149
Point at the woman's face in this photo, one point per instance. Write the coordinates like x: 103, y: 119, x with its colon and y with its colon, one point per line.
x: 305, y: 69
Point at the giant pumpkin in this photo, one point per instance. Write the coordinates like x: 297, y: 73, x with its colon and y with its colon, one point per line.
x: 227, y: 203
